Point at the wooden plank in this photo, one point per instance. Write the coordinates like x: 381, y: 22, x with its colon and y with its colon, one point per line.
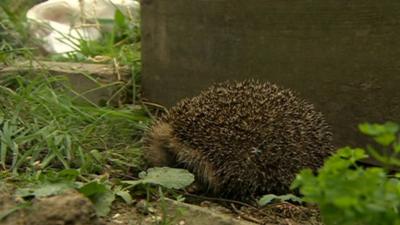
x: 341, y: 55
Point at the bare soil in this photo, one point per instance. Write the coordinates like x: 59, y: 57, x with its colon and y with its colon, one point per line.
x: 72, y: 208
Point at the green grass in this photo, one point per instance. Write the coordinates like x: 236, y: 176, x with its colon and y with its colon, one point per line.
x: 50, y: 137
x: 15, y: 40
x: 43, y: 127
x: 120, y: 46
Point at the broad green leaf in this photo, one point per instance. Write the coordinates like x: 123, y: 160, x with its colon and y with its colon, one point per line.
x: 376, y: 129
x: 102, y: 202
x: 133, y: 183
x: 371, y: 129
x: 353, y: 154
x: 101, y: 196
x: 125, y: 195
x: 357, y: 154
x: 347, y: 193
x: 391, y: 127
x: 119, y: 19
x: 93, y: 188
x: 345, y: 201
x: 383, y: 134
x: 345, y: 152
x: 43, y: 190
x: 69, y: 174
x: 305, y: 176
x: 385, y: 139
x: 376, y: 154
x: 266, y: 199
x: 290, y: 197
x: 166, y: 177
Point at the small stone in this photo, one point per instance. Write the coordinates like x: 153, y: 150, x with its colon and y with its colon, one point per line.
x: 144, y: 207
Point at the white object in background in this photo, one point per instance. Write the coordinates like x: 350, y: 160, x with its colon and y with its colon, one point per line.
x: 62, y: 23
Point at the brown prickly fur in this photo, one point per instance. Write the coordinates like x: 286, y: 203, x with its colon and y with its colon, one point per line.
x: 157, y: 145
x: 162, y: 148
x: 242, y: 138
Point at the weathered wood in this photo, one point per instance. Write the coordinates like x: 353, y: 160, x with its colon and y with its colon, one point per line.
x: 343, y: 56
x: 96, y: 82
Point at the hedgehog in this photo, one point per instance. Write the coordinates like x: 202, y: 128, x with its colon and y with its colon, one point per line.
x: 241, y: 138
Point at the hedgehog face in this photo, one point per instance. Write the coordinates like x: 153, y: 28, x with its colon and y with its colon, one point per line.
x: 241, y: 138
x: 158, y: 151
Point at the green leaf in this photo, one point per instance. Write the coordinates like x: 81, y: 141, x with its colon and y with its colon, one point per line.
x: 371, y: 129
x: 119, y: 19
x: 133, y: 183
x: 266, y: 199
x: 43, y: 190
x: 93, y: 188
x: 305, y: 176
x: 378, y: 129
x: 290, y: 197
x: 347, y: 193
x: 353, y: 154
x: 102, y: 202
x: 166, y: 177
x: 384, y: 134
x: 101, y: 196
x: 69, y: 174
x: 125, y: 195
x: 345, y: 201
x: 392, y: 127
x: 385, y: 139
x: 377, y: 155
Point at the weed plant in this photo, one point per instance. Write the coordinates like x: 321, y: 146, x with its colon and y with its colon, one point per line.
x: 349, y: 194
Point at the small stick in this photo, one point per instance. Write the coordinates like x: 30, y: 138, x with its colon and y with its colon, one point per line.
x: 244, y: 215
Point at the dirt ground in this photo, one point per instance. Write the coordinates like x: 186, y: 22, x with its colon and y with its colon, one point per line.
x: 72, y: 208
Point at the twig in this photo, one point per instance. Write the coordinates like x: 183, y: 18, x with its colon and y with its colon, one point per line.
x: 155, y: 105
x: 221, y: 200
x: 244, y: 215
